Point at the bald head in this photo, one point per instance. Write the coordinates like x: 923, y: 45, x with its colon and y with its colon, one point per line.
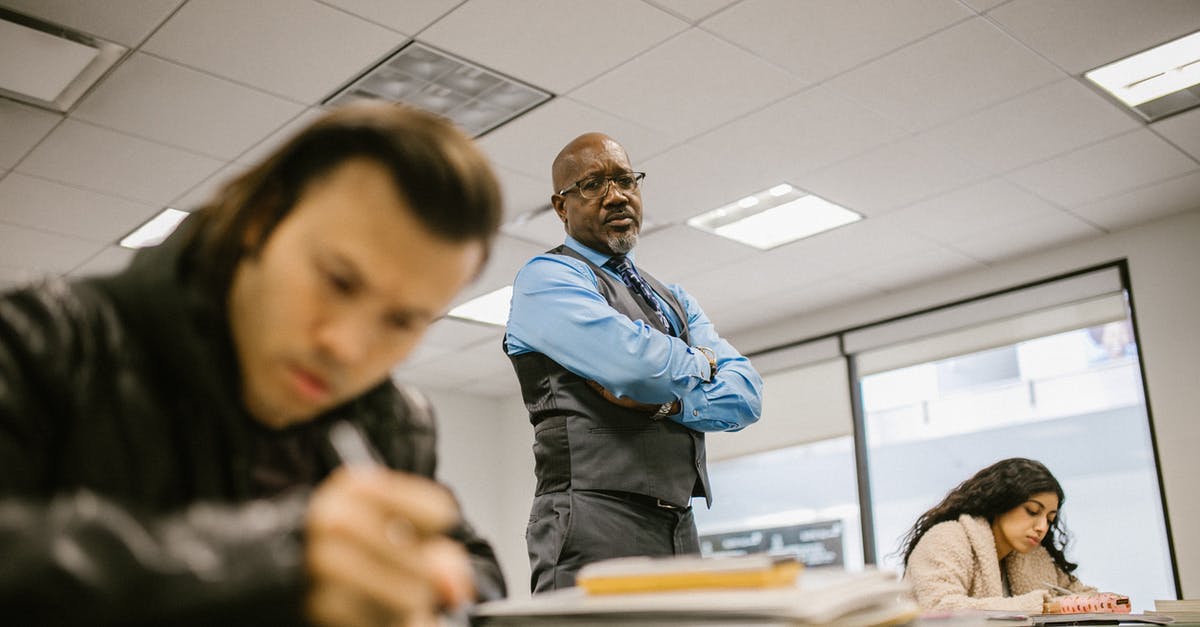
x: 609, y: 223
x: 578, y: 153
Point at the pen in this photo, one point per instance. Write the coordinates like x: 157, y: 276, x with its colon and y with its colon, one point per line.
x: 1056, y: 588
x: 353, y: 449
x: 350, y: 445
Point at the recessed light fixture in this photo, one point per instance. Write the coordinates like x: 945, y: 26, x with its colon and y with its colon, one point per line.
x: 477, y: 99
x: 491, y: 308
x: 1158, y: 82
x: 773, y: 217
x: 154, y: 230
x: 47, y: 65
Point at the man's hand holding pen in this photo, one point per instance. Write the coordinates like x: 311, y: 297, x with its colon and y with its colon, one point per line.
x: 375, y: 550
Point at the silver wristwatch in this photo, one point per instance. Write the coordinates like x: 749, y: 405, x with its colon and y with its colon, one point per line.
x: 663, y: 410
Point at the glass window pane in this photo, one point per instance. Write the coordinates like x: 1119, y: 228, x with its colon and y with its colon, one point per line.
x: 1072, y: 400
x: 800, y: 500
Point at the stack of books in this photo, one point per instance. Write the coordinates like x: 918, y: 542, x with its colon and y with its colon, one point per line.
x: 1182, y: 610
x: 750, y: 589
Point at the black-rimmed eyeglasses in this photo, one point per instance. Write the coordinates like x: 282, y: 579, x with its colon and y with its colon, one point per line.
x: 597, y: 186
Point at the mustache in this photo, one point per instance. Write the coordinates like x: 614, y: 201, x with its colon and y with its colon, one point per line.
x: 620, y: 215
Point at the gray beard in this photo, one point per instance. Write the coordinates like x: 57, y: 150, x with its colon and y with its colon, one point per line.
x: 621, y: 243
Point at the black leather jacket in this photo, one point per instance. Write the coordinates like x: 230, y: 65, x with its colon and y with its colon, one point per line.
x: 131, y: 480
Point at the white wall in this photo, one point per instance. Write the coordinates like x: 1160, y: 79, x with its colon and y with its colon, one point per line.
x: 484, y: 454
x: 485, y: 443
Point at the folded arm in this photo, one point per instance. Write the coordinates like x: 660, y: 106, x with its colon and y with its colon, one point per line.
x: 557, y: 310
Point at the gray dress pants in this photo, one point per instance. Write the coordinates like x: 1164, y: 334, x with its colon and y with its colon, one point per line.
x: 568, y: 530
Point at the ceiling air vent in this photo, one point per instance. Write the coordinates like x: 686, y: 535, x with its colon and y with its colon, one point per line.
x: 475, y: 98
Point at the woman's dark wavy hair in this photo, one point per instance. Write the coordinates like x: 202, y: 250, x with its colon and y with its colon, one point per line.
x: 436, y: 169
x: 992, y: 492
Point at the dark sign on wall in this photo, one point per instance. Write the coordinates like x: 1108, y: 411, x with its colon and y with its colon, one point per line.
x: 815, y: 544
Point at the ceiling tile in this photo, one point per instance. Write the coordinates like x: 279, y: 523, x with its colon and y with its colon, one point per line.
x: 299, y: 49
x: 1183, y: 130
x: 204, y: 191
x: 39, y: 252
x: 692, y: 10
x: 905, y: 271
x: 170, y: 104
x: 21, y: 128
x: 49, y: 206
x: 1045, y: 122
x: 1022, y: 238
x: 1143, y: 204
x: 950, y: 74
x: 984, y: 5
x: 80, y: 154
x: 543, y: 229
x: 522, y: 193
x: 812, y: 129
x: 972, y: 210
x: 127, y: 22
x: 818, y: 39
x: 1109, y: 167
x: 691, y: 179
x: 504, y: 35
x: 406, y: 17
x: 815, y: 296
x: 892, y: 176
x: 508, y: 255
x: 108, y: 261
x: 671, y: 254
x: 530, y: 143
x: 1079, y: 35
x: 688, y: 85
x: 868, y: 242
x: 265, y: 147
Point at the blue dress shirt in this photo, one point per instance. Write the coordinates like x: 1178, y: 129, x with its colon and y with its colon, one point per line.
x: 557, y: 310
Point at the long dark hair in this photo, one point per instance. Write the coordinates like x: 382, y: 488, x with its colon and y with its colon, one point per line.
x: 442, y: 175
x: 993, y: 491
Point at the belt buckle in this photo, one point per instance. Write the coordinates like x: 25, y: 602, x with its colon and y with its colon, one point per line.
x: 665, y: 505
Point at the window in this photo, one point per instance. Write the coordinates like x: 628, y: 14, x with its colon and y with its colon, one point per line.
x: 801, y: 500
x: 1061, y: 385
x: 872, y: 426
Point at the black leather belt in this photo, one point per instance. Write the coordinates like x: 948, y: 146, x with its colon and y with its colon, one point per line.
x: 642, y: 499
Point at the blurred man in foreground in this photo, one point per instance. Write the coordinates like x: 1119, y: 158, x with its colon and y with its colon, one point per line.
x: 164, y: 432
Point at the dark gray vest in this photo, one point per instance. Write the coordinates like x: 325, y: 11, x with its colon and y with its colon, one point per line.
x: 584, y: 442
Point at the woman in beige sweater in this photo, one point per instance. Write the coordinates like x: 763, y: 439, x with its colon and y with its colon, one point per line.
x: 993, y: 543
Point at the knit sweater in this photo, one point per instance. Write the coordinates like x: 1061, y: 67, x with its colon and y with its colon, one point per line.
x: 955, y: 566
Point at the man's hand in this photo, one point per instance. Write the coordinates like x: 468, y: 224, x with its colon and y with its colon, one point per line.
x: 629, y: 403
x: 375, y: 554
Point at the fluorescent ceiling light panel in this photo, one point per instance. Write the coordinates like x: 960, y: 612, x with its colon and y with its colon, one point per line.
x: 1158, y: 82
x: 774, y: 217
x: 155, y: 230
x: 491, y: 308
x: 47, y: 65
x: 475, y: 98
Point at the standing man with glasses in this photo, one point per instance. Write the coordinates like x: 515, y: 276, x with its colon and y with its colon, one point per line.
x: 621, y: 374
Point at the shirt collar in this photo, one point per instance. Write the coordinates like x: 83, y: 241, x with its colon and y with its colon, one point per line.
x: 592, y: 255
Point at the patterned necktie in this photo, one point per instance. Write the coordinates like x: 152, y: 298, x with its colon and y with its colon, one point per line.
x: 638, y: 285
